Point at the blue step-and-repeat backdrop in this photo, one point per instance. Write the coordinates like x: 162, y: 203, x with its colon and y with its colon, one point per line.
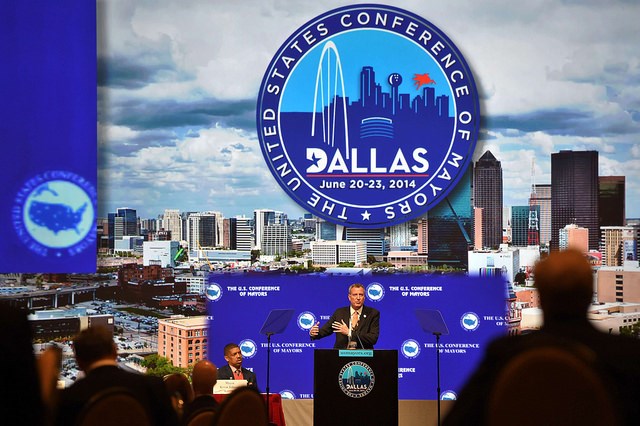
x: 472, y: 308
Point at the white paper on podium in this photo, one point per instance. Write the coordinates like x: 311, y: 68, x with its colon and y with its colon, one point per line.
x: 227, y: 386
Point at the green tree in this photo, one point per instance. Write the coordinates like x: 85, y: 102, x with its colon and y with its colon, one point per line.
x: 160, y: 366
x: 632, y: 331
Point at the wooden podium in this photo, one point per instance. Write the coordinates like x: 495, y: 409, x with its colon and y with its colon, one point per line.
x: 355, y: 386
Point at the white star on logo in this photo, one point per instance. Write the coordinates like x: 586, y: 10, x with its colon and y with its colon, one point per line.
x: 366, y: 215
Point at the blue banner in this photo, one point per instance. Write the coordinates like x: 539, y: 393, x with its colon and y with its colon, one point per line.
x: 473, y: 310
x: 48, y: 127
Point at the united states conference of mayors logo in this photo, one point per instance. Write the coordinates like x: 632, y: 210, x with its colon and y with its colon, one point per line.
x: 54, y: 214
x: 368, y: 116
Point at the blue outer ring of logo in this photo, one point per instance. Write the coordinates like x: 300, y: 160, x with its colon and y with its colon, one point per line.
x: 409, y: 205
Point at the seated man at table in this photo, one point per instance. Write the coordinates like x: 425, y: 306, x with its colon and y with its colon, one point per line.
x: 203, y: 378
x: 234, y: 370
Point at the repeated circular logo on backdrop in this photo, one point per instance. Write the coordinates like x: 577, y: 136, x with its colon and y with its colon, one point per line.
x: 375, y: 292
x: 54, y: 214
x: 470, y: 321
x: 248, y: 348
x: 213, y: 292
x: 448, y: 395
x: 356, y: 379
x: 368, y: 116
x: 410, y: 348
x: 287, y: 394
x: 306, y: 320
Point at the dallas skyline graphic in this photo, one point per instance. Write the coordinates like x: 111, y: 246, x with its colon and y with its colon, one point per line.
x: 385, y: 119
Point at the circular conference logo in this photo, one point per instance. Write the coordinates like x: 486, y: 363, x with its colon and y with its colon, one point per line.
x: 368, y: 116
x: 248, y: 348
x: 54, y: 214
x: 375, y: 292
x: 306, y: 320
x: 448, y: 395
x: 470, y: 321
x: 410, y: 348
x: 356, y: 379
x: 287, y: 394
x: 214, y: 292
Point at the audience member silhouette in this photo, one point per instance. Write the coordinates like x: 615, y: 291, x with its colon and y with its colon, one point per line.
x: 180, y: 391
x: 565, y: 285
x: 96, y: 354
x: 20, y: 397
x: 203, y: 378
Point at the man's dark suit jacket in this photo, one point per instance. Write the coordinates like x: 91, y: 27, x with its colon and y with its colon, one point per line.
x: 225, y: 373
x: 148, y: 389
x: 367, y: 331
x: 617, y: 359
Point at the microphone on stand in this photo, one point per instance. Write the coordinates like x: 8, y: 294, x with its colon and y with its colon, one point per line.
x: 358, y: 336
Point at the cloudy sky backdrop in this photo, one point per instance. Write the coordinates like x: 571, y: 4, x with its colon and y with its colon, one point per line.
x: 178, y: 82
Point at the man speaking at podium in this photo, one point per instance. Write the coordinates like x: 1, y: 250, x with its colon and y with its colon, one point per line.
x: 355, y: 326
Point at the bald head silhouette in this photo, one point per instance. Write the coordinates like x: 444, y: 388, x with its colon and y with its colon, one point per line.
x: 204, y: 377
x: 565, y: 285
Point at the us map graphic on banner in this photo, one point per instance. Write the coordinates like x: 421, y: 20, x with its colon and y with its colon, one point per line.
x: 473, y: 310
x: 49, y: 137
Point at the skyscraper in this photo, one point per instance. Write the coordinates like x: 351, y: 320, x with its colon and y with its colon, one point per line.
x: 423, y: 235
x: 450, y: 224
x: 617, y: 243
x: 367, y: 87
x: 124, y: 222
x: 229, y: 227
x: 373, y: 237
x: 201, y: 230
x: 400, y: 236
x: 172, y: 222
x: 477, y: 228
x: 487, y: 194
x: 611, y: 204
x: 574, y: 237
x: 543, y: 199
x: 520, y: 224
x: 244, y: 234
x: 328, y: 230
x: 272, y: 232
x: 574, y: 194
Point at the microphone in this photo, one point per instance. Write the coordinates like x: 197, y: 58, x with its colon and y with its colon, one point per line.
x: 358, y: 336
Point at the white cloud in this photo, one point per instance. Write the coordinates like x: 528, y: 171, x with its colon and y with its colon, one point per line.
x: 109, y: 134
x: 526, y: 56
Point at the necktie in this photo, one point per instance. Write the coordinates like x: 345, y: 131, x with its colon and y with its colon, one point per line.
x: 354, y: 320
x: 237, y: 375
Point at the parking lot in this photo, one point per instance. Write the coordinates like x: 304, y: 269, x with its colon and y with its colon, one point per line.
x: 135, y: 333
